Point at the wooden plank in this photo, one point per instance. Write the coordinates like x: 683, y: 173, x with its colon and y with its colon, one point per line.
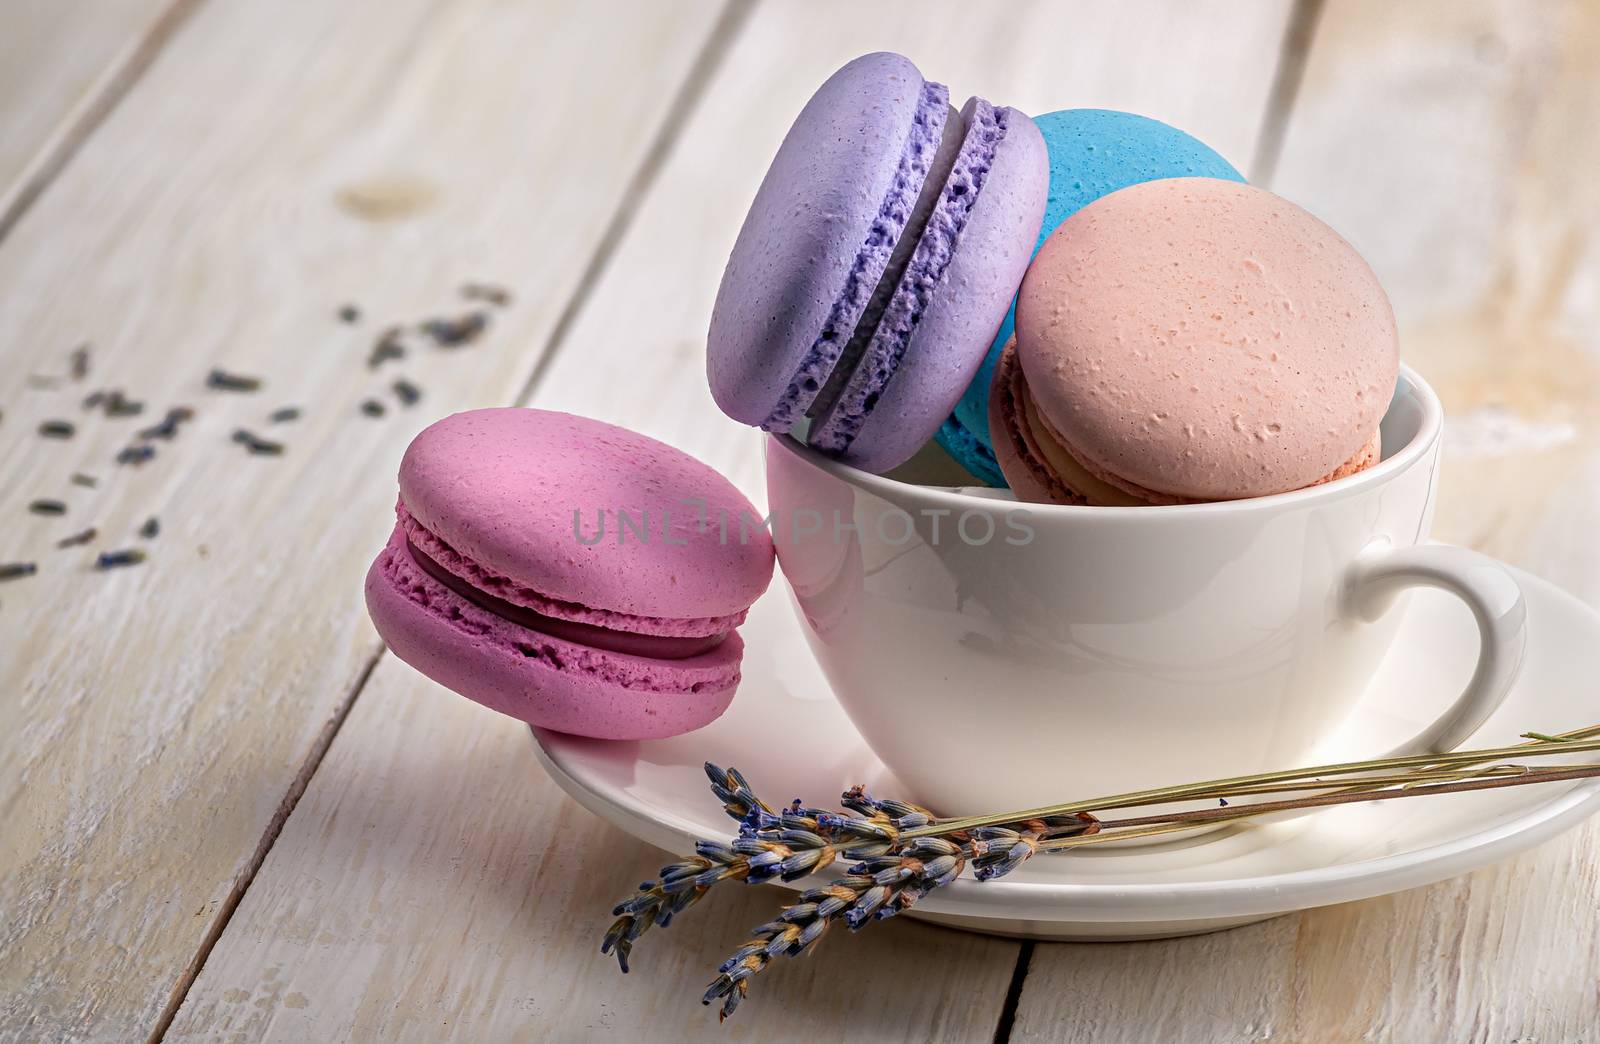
x: 62, y: 62
x: 446, y: 889
x: 1452, y: 143
x: 281, y: 159
x: 371, y: 912
x: 1233, y: 985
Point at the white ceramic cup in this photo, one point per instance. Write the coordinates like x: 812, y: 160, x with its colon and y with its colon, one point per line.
x: 998, y: 655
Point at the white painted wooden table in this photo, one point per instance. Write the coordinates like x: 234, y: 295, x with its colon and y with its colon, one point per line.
x: 227, y: 815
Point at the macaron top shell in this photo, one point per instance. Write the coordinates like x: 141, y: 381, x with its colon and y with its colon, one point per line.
x: 521, y: 493
x: 1206, y: 339
x: 819, y: 235
x: 1091, y: 153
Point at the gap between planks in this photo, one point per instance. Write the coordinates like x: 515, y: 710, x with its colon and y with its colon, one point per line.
x: 291, y: 798
x: 114, y: 85
x: 687, y: 98
x: 1008, y: 1010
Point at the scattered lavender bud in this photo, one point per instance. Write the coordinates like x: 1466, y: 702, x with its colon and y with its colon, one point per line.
x: 408, y: 394
x: 113, y: 402
x: 151, y: 528
x: 136, y: 454
x: 349, y: 314
x: 281, y: 416
x: 57, y: 429
x: 256, y: 444
x: 372, y: 408
x: 113, y: 559
x: 119, y: 405
x: 488, y: 293
x: 48, y: 507
x: 80, y: 362
x: 80, y: 479
x: 387, y: 346
x: 453, y: 333
x: 12, y: 570
x: 222, y: 380
x: 78, y: 539
x: 167, y: 427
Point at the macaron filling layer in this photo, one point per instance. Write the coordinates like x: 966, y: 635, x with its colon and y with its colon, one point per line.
x: 921, y: 150
x: 863, y: 382
x: 885, y: 293
x: 716, y: 670
x: 508, y: 590
x: 1065, y: 467
x: 658, y: 646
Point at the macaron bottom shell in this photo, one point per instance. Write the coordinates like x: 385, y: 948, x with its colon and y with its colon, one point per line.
x: 537, y: 678
x: 1042, y: 469
x: 976, y: 457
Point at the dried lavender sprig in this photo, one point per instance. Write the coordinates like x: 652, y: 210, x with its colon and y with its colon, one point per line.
x: 685, y: 883
x: 1199, y: 817
x: 905, y: 867
x: 792, y: 849
x: 1311, y: 776
x: 889, y: 877
x: 874, y: 889
x: 650, y: 905
x: 881, y: 887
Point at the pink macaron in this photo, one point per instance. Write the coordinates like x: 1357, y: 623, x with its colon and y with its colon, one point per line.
x: 1192, y: 340
x: 570, y: 573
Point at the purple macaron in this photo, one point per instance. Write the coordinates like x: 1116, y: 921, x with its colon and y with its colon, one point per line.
x: 569, y: 573
x: 876, y: 263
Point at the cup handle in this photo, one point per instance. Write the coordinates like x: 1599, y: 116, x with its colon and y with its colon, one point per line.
x: 1382, y: 572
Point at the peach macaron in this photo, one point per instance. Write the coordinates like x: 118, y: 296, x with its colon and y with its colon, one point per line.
x: 1192, y: 340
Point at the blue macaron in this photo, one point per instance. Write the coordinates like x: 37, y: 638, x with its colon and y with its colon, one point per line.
x: 1093, y: 153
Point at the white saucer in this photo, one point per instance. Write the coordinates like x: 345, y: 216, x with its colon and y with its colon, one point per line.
x: 790, y: 738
